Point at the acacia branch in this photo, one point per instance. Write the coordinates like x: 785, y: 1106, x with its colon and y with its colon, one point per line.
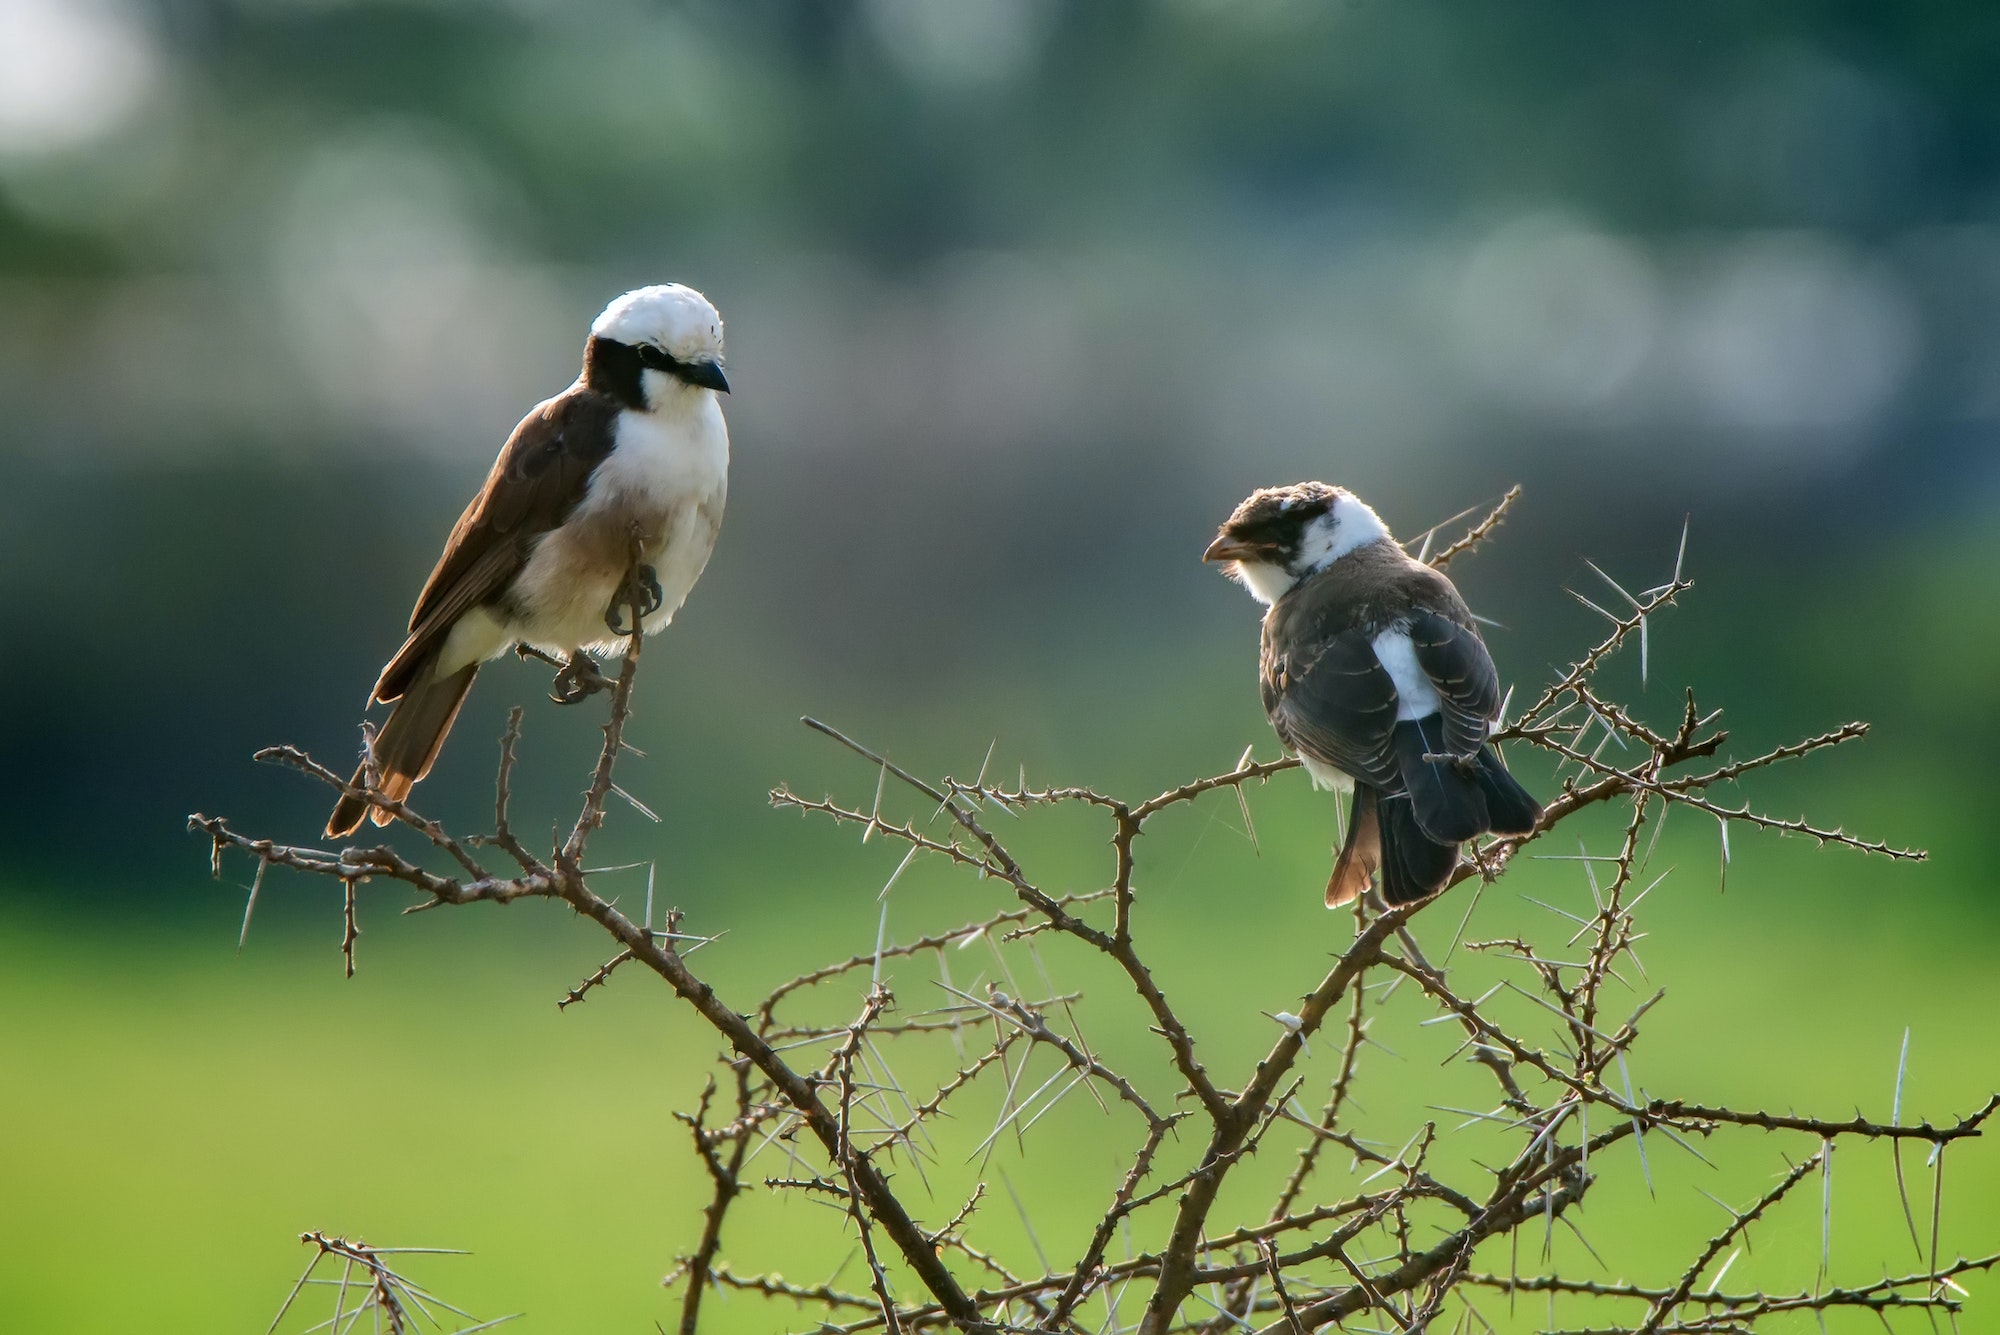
x: 1399, y: 1239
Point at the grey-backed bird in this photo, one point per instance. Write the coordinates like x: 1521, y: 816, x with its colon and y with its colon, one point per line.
x: 629, y: 463
x: 1375, y: 677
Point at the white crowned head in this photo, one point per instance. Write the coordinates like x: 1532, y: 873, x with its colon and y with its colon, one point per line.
x: 675, y: 330
x: 675, y: 319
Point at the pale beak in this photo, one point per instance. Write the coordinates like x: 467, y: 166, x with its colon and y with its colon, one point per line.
x: 1227, y: 548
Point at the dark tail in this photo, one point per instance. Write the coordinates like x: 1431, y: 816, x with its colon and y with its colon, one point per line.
x: 1414, y: 865
x: 406, y: 748
x: 1450, y: 803
x: 1509, y: 808
x: 1444, y: 803
x: 1456, y: 799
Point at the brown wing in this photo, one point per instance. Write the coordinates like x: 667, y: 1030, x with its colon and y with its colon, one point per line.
x: 538, y: 478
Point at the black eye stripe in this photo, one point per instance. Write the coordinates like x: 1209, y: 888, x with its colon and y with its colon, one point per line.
x: 656, y: 359
x: 1279, y: 527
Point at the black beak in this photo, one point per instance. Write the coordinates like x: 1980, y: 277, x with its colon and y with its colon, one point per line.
x: 707, y: 374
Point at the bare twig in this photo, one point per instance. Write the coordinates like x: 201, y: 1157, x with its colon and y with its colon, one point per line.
x: 831, y: 1086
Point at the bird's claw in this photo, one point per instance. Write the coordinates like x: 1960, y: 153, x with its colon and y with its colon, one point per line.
x: 640, y: 589
x: 579, y: 679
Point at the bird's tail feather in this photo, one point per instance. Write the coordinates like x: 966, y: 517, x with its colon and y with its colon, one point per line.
x: 1448, y: 801
x: 1361, y: 855
x: 1414, y: 865
x: 1509, y: 807
x: 1412, y: 837
x: 406, y: 748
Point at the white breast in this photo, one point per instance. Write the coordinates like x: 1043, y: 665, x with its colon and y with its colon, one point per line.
x: 1415, y: 696
x: 667, y: 474
x: 667, y: 456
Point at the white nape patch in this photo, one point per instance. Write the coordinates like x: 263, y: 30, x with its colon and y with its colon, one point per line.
x: 1348, y: 525
x: 1415, y: 696
x: 1326, y: 777
x: 1267, y: 583
x: 676, y: 319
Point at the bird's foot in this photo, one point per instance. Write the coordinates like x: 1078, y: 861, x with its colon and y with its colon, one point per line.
x: 579, y: 679
x: 525, y: 651
x: 640, y: 589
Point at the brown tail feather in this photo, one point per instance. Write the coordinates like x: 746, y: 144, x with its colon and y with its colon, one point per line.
x: 405, y: 749
x: 1361, y: 856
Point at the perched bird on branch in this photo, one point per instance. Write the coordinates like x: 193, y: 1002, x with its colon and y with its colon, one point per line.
x: 1374, y: 675
x: 605, y: 501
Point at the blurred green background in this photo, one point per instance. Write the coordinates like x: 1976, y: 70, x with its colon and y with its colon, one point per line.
x: 1022, y: 296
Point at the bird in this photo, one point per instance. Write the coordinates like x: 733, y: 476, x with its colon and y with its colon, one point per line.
x: 605, y: 502
x: 1374, y: 675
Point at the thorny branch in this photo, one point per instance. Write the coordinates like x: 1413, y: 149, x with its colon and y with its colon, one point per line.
x: 370, y: 1286
x: 1177, y: 1240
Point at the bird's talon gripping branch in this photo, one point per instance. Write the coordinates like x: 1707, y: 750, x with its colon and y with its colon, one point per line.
x: 579, y: 679
x: 641, y: 590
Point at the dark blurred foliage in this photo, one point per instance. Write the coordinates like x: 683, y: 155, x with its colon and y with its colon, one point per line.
x: 1022, y: 297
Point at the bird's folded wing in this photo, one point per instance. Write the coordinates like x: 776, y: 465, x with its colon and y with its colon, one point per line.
x: 538, y: 479
x: 1335, y: 702
x: 1468, y: 686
